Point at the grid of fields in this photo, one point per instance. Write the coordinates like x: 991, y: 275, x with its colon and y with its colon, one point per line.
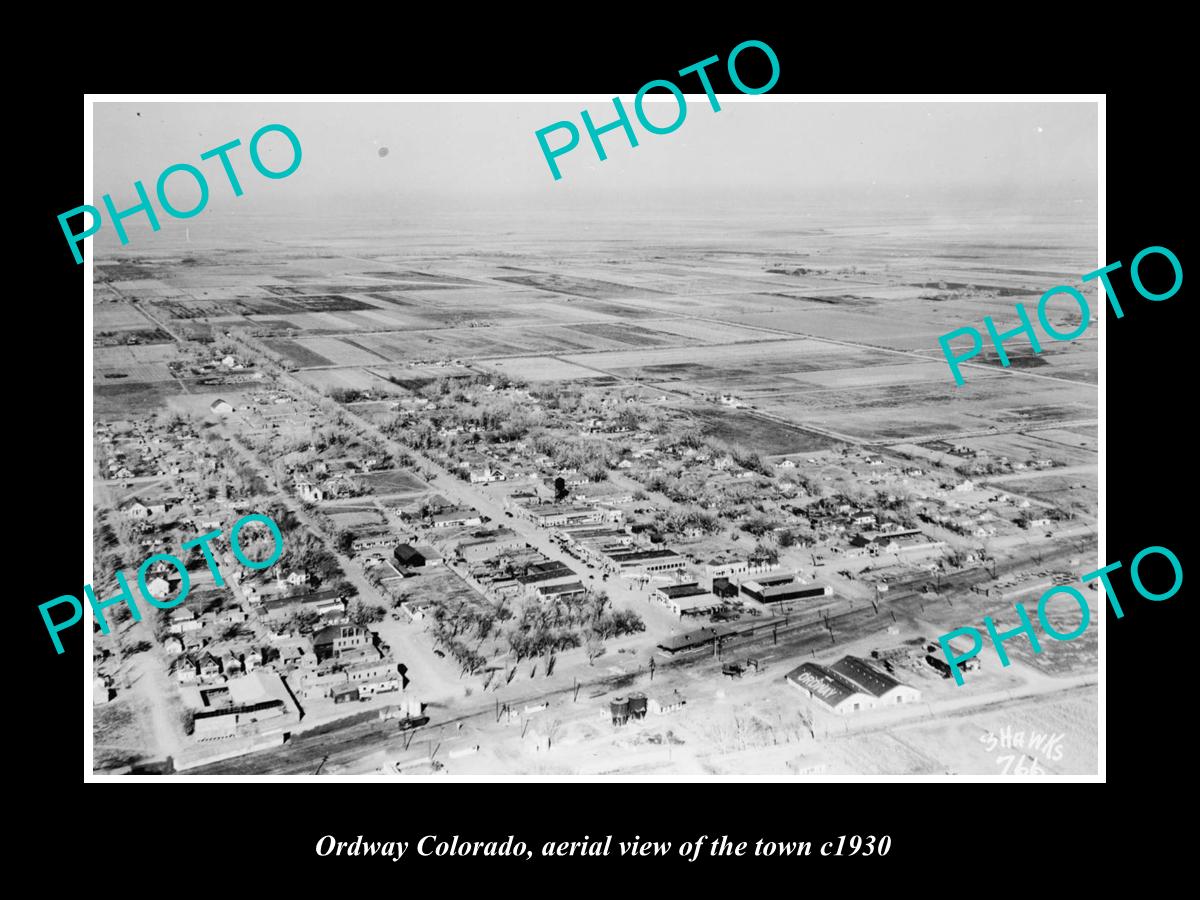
x: 832, y: 328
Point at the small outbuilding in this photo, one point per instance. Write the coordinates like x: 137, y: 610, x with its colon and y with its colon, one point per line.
x: 409, y: 557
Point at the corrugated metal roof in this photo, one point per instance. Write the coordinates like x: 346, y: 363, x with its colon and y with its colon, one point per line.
x: 824, y: 684
x: 869, y: 678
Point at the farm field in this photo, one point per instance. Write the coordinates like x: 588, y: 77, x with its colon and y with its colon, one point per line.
x: 384, y: 484
x: 961, y: 744
x: 1060, y: 446
x: 832, y: 328
x: 1075, y: 491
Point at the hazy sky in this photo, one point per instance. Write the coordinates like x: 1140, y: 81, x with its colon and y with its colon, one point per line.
x: 485, y: 154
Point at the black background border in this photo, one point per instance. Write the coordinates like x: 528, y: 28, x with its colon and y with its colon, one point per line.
x: 932, y: 824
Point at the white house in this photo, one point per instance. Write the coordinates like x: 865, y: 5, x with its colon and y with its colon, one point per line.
x: 486, y: 475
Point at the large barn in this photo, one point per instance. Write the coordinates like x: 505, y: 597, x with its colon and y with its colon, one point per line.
x: 783, y: 587
x: 886, y: 690
x: 829, y: 688
x: 851, y: 685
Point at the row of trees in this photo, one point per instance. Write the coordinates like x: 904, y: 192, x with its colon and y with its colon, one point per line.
x: 305, y: 552
x: 689, y: 520
x: 452, y: 631
x: 589, y: 456
x: 539, y: 630
x: 562, y: 625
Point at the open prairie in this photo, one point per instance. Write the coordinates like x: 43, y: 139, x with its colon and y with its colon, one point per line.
x: 831, y: 327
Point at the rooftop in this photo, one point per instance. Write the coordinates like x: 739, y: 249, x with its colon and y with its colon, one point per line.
x: 454, y: 515
x: 641, y: 555
x: 869, y: 678
x: 675, y: 591
x: 570, y: 588
x: 559, y: 509
x: 771, y: 580
x: 823, y: 683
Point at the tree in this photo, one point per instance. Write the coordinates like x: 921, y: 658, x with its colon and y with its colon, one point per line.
x: 758, y: 525
x: 343, y: 588
x: 762, y: 551
x: 160, y: 624
x: 594, y: 648
x: 302, y: 621
x: 283, y: 517
x: 363, y: 614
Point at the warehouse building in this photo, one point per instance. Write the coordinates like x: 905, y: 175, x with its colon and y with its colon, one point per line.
x: 886, y: 690
x: 255, y: 704
x: 686, y: 599
x: 785, y: 586
x: 835, y: 692
x: 896, y: 540
x: 851, y: 685
x: 695, y: 640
